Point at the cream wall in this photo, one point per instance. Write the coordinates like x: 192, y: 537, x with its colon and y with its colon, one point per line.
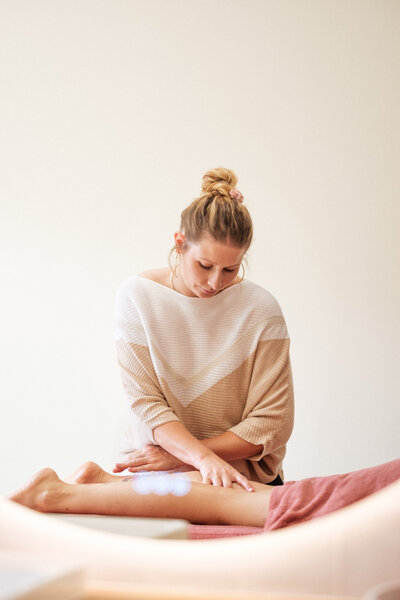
x: 110, y: 114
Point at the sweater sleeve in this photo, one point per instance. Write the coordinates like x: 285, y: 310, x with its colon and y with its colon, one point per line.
x: 268, y: 413
x: 139, y: 379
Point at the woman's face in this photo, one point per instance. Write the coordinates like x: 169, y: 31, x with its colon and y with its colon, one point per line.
x: 207, y: 267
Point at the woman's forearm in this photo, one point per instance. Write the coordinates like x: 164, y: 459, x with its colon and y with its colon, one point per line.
x: 230, y: 446
x: 178, y: 441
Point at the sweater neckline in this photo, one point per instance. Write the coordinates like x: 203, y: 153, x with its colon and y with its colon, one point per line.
x: 223, y: 293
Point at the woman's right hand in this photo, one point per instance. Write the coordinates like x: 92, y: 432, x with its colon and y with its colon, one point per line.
x: 215, y: 471
x: 149, y: 458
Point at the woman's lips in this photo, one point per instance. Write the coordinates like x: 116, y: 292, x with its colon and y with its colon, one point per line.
x: 209, y: 293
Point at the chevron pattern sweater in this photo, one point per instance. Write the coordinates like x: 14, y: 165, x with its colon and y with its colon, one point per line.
x: 215, y: 364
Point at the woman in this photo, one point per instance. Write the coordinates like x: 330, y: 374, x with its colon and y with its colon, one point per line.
x: 204, y: 354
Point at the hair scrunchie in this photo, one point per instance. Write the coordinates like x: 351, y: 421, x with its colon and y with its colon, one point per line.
x: 237, y: 194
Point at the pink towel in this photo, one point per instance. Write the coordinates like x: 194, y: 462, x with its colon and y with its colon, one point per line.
x: 298, y: 501
x: 207, y: 532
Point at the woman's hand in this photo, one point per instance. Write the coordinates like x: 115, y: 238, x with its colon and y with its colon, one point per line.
x: 149, y: 458
x: 216, y: 471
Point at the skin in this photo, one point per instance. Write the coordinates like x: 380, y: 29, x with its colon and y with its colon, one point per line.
x: 90, y: 490
x: 206, y: 268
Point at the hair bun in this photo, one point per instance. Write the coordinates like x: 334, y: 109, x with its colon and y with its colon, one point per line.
x: 219, y: 182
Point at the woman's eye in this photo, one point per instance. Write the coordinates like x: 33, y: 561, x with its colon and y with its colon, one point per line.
x: 205, y: 267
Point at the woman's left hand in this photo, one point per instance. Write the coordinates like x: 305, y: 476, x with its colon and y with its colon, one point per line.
x: 149, y: 458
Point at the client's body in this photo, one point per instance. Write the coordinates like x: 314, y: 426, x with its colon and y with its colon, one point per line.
x: 92, y: 490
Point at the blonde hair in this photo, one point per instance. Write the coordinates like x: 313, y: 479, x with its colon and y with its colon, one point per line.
x: 216, y: 213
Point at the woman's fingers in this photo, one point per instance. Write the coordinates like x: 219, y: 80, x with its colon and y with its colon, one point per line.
x: 219, y: 478
x: 119, y: 467
x: 141, y: 468
x: 207, y: 479
x: 216, y: 480
x: 245, y: 483
x: 138, y: 462
x: 218, y: 472
x: 133, y: 461
x: 226, y: 480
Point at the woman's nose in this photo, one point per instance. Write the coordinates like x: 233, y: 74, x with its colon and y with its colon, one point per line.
x: 214, y: 280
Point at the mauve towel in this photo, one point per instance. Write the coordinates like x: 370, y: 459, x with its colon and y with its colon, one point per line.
x: 298, y: 501
x: 208, y: 532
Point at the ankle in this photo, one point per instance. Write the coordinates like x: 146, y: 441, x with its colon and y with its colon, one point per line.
x: 48, y: 500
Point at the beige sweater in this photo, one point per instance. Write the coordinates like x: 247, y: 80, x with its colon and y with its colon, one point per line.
x: 215, y: 364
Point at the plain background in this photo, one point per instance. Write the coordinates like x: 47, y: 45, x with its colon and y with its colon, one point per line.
x: 111, y: 111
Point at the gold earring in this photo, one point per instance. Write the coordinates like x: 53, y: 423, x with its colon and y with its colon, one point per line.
x: 241, y: 265
x: 177, y: 263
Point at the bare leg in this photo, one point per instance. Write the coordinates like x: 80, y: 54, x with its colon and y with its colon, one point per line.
x: 91, y: 472
x: 204, y: 503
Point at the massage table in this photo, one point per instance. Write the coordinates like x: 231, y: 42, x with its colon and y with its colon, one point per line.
x: 336, y: 557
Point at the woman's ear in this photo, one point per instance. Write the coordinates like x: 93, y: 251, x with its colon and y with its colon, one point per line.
x: 179, y: 240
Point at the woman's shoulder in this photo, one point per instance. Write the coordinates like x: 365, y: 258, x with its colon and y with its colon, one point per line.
x: 261, y: 298
x: 161, y: 276
x: 139, y: 286
x: 258, y: 292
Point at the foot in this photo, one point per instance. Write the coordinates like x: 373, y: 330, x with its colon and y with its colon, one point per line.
x: 90, y: 472
x: 43, y: 492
